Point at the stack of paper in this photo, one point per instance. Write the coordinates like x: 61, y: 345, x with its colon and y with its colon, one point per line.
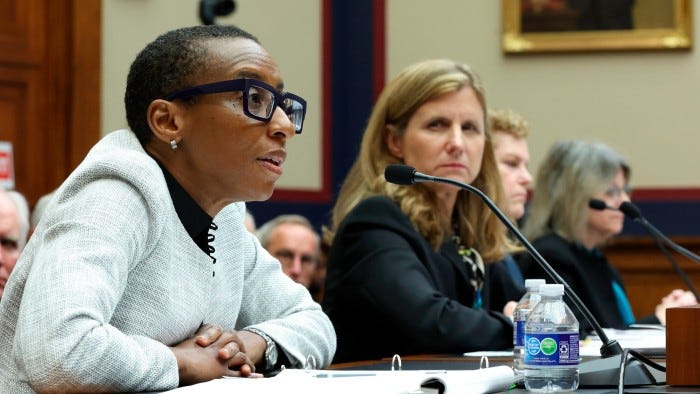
x: 651, y: 338
x: 485, y: 380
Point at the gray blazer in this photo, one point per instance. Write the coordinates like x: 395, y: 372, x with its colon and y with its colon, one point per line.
x: 111, y: 278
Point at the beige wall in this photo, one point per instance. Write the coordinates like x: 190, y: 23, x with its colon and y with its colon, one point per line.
x: 643, y: 104
x: 128, y: 25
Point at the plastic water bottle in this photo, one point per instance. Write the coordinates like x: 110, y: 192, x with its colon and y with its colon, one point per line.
x: 522, y: 311
x: 551, y: 344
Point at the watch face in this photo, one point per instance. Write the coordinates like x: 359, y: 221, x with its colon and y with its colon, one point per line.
x: 270, y: 354
x: 270, y: 349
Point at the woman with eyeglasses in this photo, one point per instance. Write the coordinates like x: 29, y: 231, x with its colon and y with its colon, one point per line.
x: 141, y: 275
x: 406, y: 268
x: 568, y: 233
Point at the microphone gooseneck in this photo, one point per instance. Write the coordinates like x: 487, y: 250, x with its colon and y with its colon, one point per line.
x: 633, y: 212
x: 406, y: 175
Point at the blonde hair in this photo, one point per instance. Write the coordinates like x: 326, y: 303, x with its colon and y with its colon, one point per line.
x: 509, y: 122
x: 571, y: 173
x: 399, y: 100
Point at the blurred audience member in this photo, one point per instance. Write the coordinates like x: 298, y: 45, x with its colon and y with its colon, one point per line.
x: 294, y: 242
x: 14, y: 227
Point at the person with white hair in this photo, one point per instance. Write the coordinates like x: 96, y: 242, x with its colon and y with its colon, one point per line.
x: 294, y: 242
x: 14, y: 227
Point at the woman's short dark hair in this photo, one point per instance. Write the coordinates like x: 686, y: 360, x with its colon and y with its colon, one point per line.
x: 167, y: 64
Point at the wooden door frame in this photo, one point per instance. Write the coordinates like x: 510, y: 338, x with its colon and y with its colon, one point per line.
x: 84, y: 127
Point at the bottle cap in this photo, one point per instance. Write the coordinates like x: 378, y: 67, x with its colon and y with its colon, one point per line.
x: 534, y: 284
x: 552, y: 290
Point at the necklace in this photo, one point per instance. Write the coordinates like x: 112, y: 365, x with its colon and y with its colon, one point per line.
x: 475, y: 265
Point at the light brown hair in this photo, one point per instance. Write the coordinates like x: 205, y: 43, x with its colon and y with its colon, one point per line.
x: 417, y: 84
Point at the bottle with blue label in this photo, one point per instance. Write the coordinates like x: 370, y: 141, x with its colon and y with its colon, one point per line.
x: 522, y: 311
x: 551, y: 344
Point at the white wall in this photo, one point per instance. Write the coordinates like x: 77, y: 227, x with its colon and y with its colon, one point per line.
x: 642, y: 104
x: 128, y: 25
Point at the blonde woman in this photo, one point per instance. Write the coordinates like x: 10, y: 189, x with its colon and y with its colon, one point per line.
x: 407, y: 263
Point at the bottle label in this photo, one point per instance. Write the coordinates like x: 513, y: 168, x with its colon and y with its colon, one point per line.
x: 519, y: 333
x: 551, y: 349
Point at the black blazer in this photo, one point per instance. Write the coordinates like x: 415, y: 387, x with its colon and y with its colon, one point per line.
x: 588, y: 273
x: 389, y: 292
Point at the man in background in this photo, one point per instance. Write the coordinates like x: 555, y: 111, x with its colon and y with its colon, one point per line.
x: 14, y: 226
x: 294, y: 242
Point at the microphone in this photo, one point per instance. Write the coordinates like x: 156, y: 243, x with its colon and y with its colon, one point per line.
x: 600, y: 205
x: 401, y: 175
x: 633, y: 212
x: 603, y: 372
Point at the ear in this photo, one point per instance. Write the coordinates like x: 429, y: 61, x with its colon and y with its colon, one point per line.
x: 165, y: 120
x: 394, y: 142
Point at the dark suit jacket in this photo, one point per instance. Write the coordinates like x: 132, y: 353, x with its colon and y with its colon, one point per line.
x: 588, y: 273
x: 389, y: 292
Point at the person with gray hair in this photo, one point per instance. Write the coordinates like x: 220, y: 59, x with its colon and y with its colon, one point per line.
x: 14, y: 227
x: 568, y: 233
x: 294, y: 242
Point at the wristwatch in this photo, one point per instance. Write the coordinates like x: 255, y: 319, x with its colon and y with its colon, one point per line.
x: 270, y: 349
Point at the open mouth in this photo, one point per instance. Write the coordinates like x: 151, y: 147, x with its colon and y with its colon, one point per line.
x: 272, y: 160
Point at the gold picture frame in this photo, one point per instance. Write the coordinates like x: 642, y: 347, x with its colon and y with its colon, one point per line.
x: 557, y: 35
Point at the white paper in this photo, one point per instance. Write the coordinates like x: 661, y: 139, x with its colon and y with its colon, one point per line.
x: 485, y: 380
x: 647, y: 338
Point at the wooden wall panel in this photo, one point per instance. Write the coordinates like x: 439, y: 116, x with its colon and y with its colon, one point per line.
x: 22, y: 33
x: 84, y: 126
x: 20, y: 98
x: 49, y: 87
x: 647, y: 274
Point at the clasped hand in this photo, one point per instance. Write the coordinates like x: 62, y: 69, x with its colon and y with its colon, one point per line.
x: 211, y: 354
x: 675, y: 298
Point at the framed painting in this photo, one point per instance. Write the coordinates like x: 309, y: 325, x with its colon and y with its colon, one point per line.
x: 531, y: 26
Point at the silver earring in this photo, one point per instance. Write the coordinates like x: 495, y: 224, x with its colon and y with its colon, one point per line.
x: 173, y: 144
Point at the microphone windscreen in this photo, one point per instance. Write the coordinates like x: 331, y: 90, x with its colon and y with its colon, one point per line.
x: 630, y: 210
x: 597, y: 204
x: 400, y: 174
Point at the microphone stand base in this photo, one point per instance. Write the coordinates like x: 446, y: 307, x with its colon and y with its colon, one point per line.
x: 605, y: 372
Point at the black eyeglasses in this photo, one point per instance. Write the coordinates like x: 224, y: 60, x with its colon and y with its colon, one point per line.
x: 259, y: 99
